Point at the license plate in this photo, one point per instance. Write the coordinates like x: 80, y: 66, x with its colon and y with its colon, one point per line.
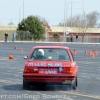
x: 48, y: 71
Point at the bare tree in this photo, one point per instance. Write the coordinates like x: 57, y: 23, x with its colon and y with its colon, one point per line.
x: 46, y: 25
x: 81, y: 23
x: 93, y: 19
x: 47, y: 28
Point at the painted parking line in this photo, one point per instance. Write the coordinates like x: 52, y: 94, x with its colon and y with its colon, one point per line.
x: 82, y: 95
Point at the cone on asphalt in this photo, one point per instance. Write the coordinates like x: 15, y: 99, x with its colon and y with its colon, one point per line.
x: 74, y: 51
x: 11, y: 57
x: 91, y: 52
x: 0, y: 44
x: 57, y: 52
x: 21, y: 50
x: 93, y: 56
x: 95, y: 44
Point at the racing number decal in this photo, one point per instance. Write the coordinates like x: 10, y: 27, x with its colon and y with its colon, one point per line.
x: 49, y: 71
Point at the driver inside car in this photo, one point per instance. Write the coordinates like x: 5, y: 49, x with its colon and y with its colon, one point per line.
x: 40, y: 54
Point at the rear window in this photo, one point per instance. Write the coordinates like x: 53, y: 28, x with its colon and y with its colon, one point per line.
x: 50, y: 54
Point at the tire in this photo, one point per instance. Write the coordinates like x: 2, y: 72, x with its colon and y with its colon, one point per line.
x: 40, y: 85
x: 26, y: 85
x: 73, y: 85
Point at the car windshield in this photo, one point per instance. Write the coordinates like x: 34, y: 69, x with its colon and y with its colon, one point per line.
x: 50, y: 54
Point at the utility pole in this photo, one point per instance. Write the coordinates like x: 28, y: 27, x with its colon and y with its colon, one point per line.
x: 23, y: 9
x: 65, y: 20
x: 71, y: 12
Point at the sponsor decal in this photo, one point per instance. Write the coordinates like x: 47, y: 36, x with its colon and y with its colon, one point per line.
x: 55, y: 65
x: 37, y: 64
x: 44, y: 64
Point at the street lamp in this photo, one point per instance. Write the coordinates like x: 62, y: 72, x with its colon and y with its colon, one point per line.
x: 23, y: 13
x: 23, y: 9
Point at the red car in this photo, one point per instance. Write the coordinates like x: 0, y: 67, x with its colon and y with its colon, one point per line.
x: 50, y: 65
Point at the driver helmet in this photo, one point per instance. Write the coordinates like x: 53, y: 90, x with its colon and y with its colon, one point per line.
x: 40, y: 52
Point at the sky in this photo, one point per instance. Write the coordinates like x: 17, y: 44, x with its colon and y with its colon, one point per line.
x: 50, y: 10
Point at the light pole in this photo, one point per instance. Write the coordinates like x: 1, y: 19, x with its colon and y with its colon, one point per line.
x: 71, y: 12
x: 64, y: 18
x: 65, y: 14
x: 23, y: 9
x: 23, y: 13
x: 19, y: 13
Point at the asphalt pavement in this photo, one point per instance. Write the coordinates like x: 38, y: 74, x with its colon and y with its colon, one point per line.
x: 11, y: 74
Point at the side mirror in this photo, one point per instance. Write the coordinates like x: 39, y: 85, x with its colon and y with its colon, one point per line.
x: 25, y: 57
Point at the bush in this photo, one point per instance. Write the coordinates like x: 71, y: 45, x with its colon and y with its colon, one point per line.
x: 56, y: 37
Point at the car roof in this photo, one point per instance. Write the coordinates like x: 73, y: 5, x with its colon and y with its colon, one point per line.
x: 61, y: 47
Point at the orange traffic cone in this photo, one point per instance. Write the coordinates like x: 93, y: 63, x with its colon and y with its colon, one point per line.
x: 57, y: 52
x: 21, y: 50
x: 86, y: 52
x: 74, y: 51
x: 94, y: 44
x: 11, y: 57
x: 0, y: 44
x: 93, y: 55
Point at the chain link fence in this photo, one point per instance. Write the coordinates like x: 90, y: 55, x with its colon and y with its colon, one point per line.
x: 68, y: 39
x: 27, y: 36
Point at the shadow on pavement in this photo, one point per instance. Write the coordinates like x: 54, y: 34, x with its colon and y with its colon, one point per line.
x: 33, y: 88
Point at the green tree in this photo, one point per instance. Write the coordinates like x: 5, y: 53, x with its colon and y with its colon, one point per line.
x: 31, y: 27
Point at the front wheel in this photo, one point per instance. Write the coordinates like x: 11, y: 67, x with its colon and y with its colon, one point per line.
x: 26, y: 85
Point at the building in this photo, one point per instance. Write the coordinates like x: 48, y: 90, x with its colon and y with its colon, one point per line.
x: 91, y: 34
